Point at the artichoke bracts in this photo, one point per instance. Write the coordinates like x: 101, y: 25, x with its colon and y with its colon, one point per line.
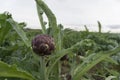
x: 43, y: 44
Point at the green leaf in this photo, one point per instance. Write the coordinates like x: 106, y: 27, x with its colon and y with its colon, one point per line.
x: 5, y: 28
x: 40, y: 13
x: 5, y: 16
x: 86, y: 28
x: 12, y: 71
x: 51, y: 18
x: 113, y: 72
x: 110, y: 77
x: 111, y: 60
x: 99, y: 26
x: 19, y: 31
x: 91, y: 61
x: 56, y: 57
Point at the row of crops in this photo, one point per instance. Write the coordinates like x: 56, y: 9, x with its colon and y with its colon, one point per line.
x: 74, y: 55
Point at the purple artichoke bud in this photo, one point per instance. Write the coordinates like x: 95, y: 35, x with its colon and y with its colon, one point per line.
x: 43, y: 44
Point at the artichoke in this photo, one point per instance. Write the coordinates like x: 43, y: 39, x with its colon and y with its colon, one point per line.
x: 43, y: 44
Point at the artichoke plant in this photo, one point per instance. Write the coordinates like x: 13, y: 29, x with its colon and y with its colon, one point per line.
x: 43, y: 44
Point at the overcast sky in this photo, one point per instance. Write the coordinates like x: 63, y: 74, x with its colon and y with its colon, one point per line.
x: 68, y: 12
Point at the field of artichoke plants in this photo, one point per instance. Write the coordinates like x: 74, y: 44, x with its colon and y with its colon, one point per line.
x: 55, y: 53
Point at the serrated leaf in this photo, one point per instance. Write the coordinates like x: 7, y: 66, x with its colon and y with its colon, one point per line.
x: 91, y: 61
x: 40, y: 13
x: 4, y: 31
x: 19, y: 31
x: 12, y: 71
x: 111, y: 60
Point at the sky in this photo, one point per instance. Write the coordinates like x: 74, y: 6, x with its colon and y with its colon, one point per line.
x: 68, y: 12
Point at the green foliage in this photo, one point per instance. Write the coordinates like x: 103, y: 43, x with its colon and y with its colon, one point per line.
x: 40, y: 13
x: 11, y: 71
x: 90, y: 55
x: 91, y: 61
x: 19, y: 31
x: 5, y: 27
x: 13, y: 40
